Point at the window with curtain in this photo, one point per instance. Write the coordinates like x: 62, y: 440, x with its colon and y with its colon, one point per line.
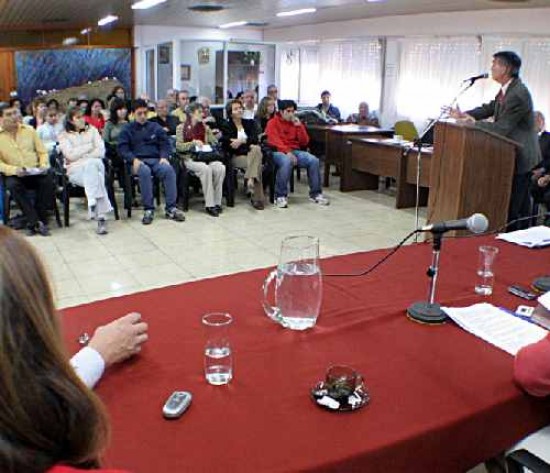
x: 431, y: 71
x: 350, y: 70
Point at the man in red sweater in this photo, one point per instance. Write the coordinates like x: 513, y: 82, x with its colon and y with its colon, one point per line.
x: 289, y: 137
x: 532, y: 373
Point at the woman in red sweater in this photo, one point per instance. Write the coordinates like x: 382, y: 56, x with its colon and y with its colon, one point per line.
x: 94, y: 114
x: 49, y: 420
x: 532, y: 373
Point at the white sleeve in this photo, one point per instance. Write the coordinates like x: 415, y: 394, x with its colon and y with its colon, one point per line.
x: 89, y: 366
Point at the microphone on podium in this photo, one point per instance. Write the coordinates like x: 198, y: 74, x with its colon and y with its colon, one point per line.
x: 471, y: 80
x: 476, y: 223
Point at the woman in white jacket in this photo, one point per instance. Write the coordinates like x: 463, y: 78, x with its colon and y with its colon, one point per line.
x: 84, y: 151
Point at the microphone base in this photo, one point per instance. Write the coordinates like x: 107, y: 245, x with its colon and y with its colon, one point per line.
x: 542, y: 284
x: 426, y: 313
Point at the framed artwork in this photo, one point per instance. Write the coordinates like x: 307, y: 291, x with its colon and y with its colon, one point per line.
x: 164, y: 54
x: 185, y: 72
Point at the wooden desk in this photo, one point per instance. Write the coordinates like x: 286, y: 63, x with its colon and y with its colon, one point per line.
x: 366, y: 159
x: 318, y: 137
x: 337, y: 137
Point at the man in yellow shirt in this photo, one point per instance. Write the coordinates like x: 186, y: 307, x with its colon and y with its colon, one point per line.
x: 24, y: 163
x: 183, y: 102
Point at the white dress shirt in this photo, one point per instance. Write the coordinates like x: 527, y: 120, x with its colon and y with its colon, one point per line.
x: 88, y: 365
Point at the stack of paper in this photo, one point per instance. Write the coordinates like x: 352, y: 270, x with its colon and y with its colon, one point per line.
x: 534, y: 237
x: 496, y: 326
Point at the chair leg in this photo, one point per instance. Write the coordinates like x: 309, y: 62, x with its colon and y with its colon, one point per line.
x: 66, y: 206
x: 56, y: 213
x: 326, y: 174
x: 292, y: 182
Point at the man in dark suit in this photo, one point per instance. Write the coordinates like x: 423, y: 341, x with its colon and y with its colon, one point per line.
x: 513, y: 117
x: 540, y: 176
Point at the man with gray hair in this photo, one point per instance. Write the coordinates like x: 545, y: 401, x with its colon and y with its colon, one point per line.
x: 249, y: 104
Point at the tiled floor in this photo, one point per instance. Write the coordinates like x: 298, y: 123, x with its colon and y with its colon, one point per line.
x: 134, y: 257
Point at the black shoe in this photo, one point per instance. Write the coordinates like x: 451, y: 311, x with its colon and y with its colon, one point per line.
x: 212, y: 211
x: 148, y: 217
x: 30, y: 231
x: 218, y: 208
x: 43, y: 229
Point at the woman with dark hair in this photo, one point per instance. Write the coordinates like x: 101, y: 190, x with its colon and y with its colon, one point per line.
x: 118, y: 117
x: 49, y: 420
x: 94, y: 114
x: 84, y: 151
x: 265, y: 112
x: 240, y: 141
x: 53, y: 105
x: 16, y: 102
x: 193, y: 136
x: 38, y: 116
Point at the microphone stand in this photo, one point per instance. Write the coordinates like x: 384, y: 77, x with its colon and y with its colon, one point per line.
x: 418, y: 144
x: 430, y: 312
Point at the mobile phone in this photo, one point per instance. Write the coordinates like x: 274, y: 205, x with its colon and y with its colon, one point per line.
x: 522, y: 292
x: 176, y: 404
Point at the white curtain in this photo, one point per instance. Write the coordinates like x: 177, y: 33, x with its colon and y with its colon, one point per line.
x: 536, y: 73
x: 289, y: 60
x: 309, y: 74
x: 431, y: 72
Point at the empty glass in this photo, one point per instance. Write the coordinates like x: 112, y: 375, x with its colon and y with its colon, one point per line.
x: 298, y: 284
x: 218, y: 362
x: 485, y: 271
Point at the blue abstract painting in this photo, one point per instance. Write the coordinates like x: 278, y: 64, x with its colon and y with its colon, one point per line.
x: 62, y: 68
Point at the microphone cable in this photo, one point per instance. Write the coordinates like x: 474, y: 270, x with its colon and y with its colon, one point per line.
x: 379, y: 262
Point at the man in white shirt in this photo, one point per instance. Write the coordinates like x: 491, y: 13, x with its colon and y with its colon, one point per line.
x: 49, y: 130
x: 112, y: 343
x: 249, y: 103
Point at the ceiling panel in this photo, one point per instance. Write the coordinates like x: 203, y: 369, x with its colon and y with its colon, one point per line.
x: 58, y: 14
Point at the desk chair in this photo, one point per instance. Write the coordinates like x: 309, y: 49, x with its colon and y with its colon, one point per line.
x: 520, y: 460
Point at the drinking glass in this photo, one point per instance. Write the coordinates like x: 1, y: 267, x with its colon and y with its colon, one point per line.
x: 485, y: 271
x: 298, y: 284
x: 218, y: 362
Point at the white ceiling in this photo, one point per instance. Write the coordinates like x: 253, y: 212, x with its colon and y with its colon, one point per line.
x: 61, y: 14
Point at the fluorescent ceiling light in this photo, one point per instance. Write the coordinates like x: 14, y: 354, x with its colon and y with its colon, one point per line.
x: 297, y: 12
x: 86, y: 31
x: 235, y: 23
x: 108, y: 19
x: 145, y: 4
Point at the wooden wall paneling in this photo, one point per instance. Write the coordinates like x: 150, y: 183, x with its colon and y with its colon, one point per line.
x: 8, y: 80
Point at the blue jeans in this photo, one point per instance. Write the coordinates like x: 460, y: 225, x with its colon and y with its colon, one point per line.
x: 284, y: 169
x: 166, y: 174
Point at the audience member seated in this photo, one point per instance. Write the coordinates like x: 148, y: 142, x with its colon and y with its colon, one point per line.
x: 50, y: 420
x: 266, y: 111
x: 82, y: 104
x: 84, y: 150
x: 118, y: 118
x: 38, y: 116
x: 49, y: 131
x: 273, y: 92
x: 540, y: 175
x: 249, y: 104
x: 145, y: 147
x: 363, y: 117
x: 119, y: 93
x: 168, y: 122
x: 53, y: 106
x: 171, y: 99
x: 326, y: 108
x: 18, y: 104
x: 24, y: 163
x: 240, y: 141
x: 71, y: 103
x: 94, y: 114
x: 288, y: 136
x: 182, y: 103
x: 191, y: 136
x: 207, y: 118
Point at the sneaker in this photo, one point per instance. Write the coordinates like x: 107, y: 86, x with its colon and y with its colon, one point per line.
x: 102, y: 227
x: 175, y: 214
x: 43, y: 229
x: 320, y: 199
x: 148, y: 217
x: 281, y: 202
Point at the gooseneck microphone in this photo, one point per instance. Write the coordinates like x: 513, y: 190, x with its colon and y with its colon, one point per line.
x: 485, y: 75
x: 477, y: 223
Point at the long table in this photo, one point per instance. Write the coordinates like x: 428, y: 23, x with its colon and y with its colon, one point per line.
x: 368, y: 159
x: 442, y: 400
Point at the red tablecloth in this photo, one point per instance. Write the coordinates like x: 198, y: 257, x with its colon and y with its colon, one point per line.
x: 442, y: 400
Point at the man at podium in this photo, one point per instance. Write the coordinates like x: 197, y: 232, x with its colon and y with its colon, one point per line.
x: 513, y: 117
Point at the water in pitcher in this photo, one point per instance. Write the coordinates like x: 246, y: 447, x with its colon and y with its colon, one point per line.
x: 299, y: 294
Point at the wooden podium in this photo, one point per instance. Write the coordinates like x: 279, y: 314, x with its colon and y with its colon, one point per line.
x: 471, y: 171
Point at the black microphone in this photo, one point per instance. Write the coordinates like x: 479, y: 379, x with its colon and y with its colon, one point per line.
x: 485, y: 75
x: 477, y: 223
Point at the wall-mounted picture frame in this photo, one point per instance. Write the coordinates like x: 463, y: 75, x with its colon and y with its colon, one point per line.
x: 164, y: 54
x: 185, y: 72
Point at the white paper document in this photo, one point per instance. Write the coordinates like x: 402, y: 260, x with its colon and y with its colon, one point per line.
x: 534, y: 237
x: 205, y: 149
x: 544, y: 300
x: 496, y: 326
